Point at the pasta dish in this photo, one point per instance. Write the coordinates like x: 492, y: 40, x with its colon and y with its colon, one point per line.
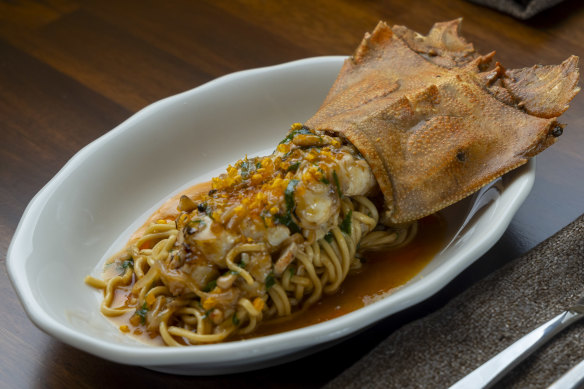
x: 271, y: 236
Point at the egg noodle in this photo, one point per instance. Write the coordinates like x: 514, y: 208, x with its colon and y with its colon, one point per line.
x: 193, y: 280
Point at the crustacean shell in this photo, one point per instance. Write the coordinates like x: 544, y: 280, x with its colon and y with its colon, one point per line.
x: 433, y: 123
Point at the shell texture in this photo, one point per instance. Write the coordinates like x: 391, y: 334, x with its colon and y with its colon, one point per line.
x: 435, y: 121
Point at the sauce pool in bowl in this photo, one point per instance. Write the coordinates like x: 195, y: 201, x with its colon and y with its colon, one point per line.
x: 382, y: 272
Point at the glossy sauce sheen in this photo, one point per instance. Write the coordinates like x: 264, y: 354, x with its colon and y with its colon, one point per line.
x: 168, y: 210
x: 381, y: 273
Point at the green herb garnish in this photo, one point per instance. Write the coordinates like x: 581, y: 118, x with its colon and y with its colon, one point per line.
x: 293, y: 167
x: 346, y: 223
x: 329, y: 237
x: 197, y: 223
x: 293, y: 133
x: 210, y: 286
x: 289, y: 195
x: 324, y: 180
x: 128, y: 263
x: 245, y: 167
x: 235, y: 320
x: 270, y: 281
x: 287, y: 221
x: 142, y: 313
x: 194, y: 225
x: 336, y: 178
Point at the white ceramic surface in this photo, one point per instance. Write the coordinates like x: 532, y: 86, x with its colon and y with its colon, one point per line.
x: 90, y: 208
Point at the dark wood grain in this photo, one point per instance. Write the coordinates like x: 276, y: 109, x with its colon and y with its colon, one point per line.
x: 71, y: 70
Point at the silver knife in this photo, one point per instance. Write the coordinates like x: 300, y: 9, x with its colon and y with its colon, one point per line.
x: 492, y: 370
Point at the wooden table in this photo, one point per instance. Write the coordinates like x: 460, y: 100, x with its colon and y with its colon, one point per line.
x: 72, y: 70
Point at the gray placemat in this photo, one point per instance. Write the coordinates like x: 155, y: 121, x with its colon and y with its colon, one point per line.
x: 441, y: 348
x: 521, y: 9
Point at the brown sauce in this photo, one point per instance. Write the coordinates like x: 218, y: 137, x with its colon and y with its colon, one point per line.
x: 168, y: 210
x: 381, y: 273
x: 138, y: 332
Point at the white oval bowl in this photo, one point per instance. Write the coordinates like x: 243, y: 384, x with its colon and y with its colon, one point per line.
x: 107, y: 190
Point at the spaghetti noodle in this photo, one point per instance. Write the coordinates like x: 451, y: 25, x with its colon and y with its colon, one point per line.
x: 272, y: 236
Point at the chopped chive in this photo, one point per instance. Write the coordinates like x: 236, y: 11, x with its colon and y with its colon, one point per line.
x: 194, y: 225
x: 126, y: 264
x: 293, y: 167
x: 142, y: 313
x: 245, y: 168
x: 346, y: 223
x: 293, y: 133
x: 287, y: 221
x: 235, y: 320
x: 210, y: 286
x: 329, y: 237
x: 289, y: 195
x: 336, y: 178
x: 285, y: 156
x: 270, y: 281
x: 324, y: 180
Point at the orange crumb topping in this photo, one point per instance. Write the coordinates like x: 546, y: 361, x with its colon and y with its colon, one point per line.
x: 255, y: 194
x: 258, y: 304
